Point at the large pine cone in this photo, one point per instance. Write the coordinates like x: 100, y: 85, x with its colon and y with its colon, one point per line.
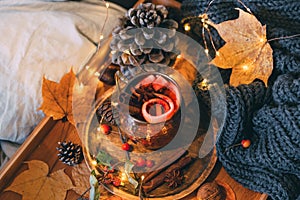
x: 147, y: 15
x: 144, y: 36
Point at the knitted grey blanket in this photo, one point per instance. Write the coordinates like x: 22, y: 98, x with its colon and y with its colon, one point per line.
x: 269, y: 117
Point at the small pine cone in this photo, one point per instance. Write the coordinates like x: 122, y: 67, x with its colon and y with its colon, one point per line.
x: 105, y: 111
x: 136, y: 41
x: 69, y: 153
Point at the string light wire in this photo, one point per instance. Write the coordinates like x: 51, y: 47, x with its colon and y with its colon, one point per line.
x: 101, y: 37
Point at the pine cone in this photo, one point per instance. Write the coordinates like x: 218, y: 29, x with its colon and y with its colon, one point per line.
x: 69, y: 153
x: 105, y: 111
x: 137, y: 41
x: 147, y: 15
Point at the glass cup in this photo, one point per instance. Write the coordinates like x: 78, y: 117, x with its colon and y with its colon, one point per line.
x: 148, y: 108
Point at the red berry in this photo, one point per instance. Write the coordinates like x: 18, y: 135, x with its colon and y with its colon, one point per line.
x: 116, y: 182
x: 110, y: 176
x: 108, y: 169
x: 126, y: 147
x: 107, y: 181
x: 105, y: 129
x: 111, y: 170
x: 149, y: 163
x: 140, y: 162
x: 246, y: 143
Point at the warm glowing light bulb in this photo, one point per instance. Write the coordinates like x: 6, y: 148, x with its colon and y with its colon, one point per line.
x: 94, y: 162
x: 87, y: 67
x: 245, y: 67
x: 203, y: 85
x: 123, y: 177
x: 142, y: 177
x: 97, y: 74
x: 179, y: 56
x: 187, y: 27
x: 262, y: 40
x: 81, y: 85
x: 217, y: 53
x: 206, y: 51
x: 107, y: 5
x: 127, y: 51
x: 101, y: 37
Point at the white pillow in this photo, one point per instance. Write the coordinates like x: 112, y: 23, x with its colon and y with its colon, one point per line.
x: 39, y: 39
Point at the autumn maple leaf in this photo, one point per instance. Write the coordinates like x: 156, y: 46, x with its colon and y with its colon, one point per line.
x: 80, y: 174
x: 36, y: 183
x: 246, y: 51
x: 57, y: 97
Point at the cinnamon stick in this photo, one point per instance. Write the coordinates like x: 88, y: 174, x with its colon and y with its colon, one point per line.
x: 165, y: 162
x: 159, y: 179
x: 132, y: 108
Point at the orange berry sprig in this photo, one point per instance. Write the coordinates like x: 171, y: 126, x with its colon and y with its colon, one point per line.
x: 245, y: 143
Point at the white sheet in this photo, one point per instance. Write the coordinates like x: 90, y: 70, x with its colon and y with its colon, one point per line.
x: 41, y: 38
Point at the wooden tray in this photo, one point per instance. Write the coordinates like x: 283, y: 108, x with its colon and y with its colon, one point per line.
x: 43, y: 141
x: 195, y: 174
x: 40, y: 145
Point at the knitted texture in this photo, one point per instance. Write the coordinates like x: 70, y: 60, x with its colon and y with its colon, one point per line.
x: 281, y: 18
x: 269, y: 117
x: 271, y: 163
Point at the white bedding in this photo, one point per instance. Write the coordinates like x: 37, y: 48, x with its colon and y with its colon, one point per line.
x: 41, y: 38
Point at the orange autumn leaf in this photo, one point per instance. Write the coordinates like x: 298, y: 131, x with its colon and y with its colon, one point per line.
x: 246, y: 51
x: 37, y: 184
x: 57, y: 97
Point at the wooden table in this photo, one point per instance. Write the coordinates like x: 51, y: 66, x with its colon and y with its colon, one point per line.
x: 40, y: 145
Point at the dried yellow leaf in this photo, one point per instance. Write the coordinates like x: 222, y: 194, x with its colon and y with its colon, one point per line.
x: 36, y: 184
x: 246, y: 51
x: 57, y: 97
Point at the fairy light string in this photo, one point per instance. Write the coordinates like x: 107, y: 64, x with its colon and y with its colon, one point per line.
x: 101, y: 37
x: 203, y: 20
x: 92, y: 70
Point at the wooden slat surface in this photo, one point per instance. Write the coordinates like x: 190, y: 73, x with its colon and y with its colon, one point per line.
x: 28, y: 146
x: 44, y: 150
x: 41, y: 146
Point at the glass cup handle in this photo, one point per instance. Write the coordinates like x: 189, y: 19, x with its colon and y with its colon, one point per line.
x: 120, y: 78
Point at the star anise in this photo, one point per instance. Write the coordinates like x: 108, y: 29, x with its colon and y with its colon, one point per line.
x: 174, y: 178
